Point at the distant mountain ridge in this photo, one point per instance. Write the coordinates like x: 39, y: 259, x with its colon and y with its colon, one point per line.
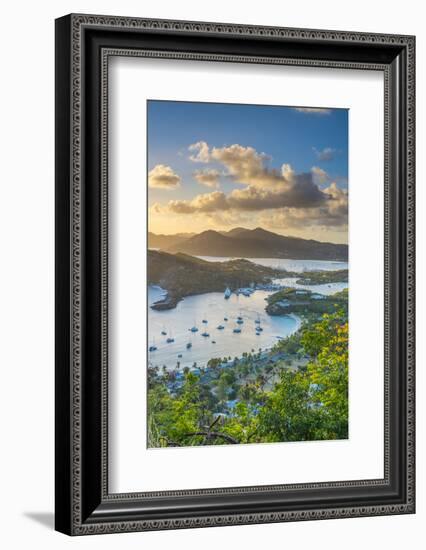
x: 248, y: 243
x: 164, y: 241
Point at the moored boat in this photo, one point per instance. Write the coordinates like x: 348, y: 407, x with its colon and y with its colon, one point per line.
x: 152, y: 347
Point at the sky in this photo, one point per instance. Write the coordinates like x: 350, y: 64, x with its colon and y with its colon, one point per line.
x: 219, y: 166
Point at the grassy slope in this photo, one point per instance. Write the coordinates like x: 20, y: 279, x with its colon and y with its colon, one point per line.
x: 304, y: 303
x: 323, y: 277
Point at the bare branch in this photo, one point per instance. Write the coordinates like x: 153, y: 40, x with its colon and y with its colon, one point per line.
x: 209, y: 435
x: 170, y: 442
x: 215, y: 421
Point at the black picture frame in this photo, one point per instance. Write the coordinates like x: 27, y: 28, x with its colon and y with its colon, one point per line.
x: 83, y: 504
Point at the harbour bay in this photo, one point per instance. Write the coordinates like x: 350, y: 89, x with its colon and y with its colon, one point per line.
x: 247, y: 274
x: 213, y: 308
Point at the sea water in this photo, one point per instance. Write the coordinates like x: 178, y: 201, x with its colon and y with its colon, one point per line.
x: 287, y: 264
x: 214, y: 308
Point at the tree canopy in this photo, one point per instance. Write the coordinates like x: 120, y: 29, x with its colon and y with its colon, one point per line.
x: 243, y: 402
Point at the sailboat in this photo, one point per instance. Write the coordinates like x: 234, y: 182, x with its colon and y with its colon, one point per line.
x: 170, y: 339
x: 228, y: 293
x: 164, y: 332
x: 153, y: 347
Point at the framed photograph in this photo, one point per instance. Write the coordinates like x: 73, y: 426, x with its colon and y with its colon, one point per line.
x: 234, y: 274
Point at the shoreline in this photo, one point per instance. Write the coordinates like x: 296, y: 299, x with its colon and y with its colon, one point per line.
x: 176, y: 274
x: 265, y: 352
x: 170, y: 300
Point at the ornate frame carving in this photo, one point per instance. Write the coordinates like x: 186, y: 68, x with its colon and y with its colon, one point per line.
x: 86, y: 507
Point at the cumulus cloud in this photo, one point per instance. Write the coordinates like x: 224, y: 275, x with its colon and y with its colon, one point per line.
x: 200, y: 152
x: 332, y: 214
x: 163, y: 177
x: 313, y: 110
x: 325, y: 154
x: 264, y: 188
x: 320, y: 176
x: 287, y: 172
x: 209, y: 177
x: 207, y: 203
x: 244, y: 164
x: 300, y: 192
x: 281, y: 197
x: 337, y: 211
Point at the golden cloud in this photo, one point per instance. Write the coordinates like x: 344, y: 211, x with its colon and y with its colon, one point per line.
x: 200, y: 152
x: 293, y: 197
x: 320, y: 175
x: 163, y: 177
x: 209, y: 177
